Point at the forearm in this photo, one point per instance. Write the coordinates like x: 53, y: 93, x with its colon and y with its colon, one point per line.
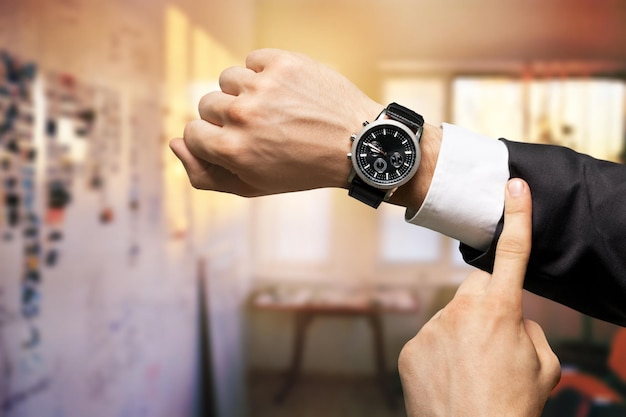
x: 578, y: 229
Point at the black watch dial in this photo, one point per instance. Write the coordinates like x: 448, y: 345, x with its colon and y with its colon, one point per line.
x: 386, y: 155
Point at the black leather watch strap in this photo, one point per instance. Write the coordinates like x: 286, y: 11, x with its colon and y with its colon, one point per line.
x: 366, y: 193
x: 407, y: 116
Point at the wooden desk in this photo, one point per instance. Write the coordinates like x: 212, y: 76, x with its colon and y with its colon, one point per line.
x: 309, y: 303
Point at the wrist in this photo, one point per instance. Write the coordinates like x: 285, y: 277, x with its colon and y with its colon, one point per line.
x: 413, y: 193
x: 393, y: 158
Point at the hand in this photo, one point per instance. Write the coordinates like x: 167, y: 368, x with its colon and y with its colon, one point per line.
x: 282, y: 123
x: 478, y: 356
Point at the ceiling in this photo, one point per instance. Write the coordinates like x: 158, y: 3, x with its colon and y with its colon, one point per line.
x: 446, y: 29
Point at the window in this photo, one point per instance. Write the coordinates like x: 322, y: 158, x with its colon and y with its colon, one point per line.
x: 583, y: 114
x: 404, y: 242
x: 428, y: 94
x: 294, y: 227
x: 489, y: 106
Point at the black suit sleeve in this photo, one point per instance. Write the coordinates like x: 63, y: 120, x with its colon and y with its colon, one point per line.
x: 578, y: 253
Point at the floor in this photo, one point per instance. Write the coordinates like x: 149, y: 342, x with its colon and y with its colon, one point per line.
x: 343, y: 396
x: 321, y: 395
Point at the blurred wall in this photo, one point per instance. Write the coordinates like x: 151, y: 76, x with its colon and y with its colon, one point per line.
x: 110, y: 328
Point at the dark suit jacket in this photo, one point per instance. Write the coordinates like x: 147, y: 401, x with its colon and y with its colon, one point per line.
x: 578, y: 253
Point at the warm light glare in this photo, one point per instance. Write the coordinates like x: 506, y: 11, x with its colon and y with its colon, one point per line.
x: 176, y: 78
x: 193, y: 63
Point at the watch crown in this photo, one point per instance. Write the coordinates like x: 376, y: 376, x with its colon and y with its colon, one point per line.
x: 352, y: 137
x: 349, y: 155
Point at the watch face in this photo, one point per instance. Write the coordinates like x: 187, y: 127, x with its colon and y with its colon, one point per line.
x: 386, y: 154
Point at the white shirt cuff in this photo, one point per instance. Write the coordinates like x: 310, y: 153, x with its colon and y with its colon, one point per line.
x: 466, y: 197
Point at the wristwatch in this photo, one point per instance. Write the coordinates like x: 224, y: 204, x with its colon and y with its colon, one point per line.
x: 385, y: 154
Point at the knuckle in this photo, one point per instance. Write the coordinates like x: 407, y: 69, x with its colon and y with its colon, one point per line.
x: 281, y: 60
x: 232, y: 151
x: 258, y: 54
x: 191, y: 129
x: 514, y: 246
x: 287, y: 63
x: 205, y: 102
x: 240, y: 112
x: 226, y: 75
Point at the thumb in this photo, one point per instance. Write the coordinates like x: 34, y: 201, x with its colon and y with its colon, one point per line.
x: 550, y: 366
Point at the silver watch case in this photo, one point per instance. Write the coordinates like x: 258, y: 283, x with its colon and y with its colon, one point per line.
x: 356, y: 170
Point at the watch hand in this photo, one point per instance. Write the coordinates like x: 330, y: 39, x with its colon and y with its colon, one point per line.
x: 376, y: 149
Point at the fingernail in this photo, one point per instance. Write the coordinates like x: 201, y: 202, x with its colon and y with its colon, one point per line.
x: 516, y: 187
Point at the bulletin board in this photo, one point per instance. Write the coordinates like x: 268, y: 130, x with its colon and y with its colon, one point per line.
x: 86, y: 291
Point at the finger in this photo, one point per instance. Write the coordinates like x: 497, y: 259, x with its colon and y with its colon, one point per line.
x: 513, y: 248
x: 213, y: 107
x: 206, y: 176
x: 474, y: 284
x: 203, y: 141
x: 548, y: 360
x: 190, y: 162
x: 259, y: 59
x: 236, y: 80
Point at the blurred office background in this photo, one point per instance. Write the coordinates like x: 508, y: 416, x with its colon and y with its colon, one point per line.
x: 126, y: 293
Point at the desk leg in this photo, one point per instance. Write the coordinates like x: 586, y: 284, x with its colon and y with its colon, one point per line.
x: 302, y: 321
x: 375, y: 321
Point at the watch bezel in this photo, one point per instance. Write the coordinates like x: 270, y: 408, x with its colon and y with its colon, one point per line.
x: 388, y: 122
